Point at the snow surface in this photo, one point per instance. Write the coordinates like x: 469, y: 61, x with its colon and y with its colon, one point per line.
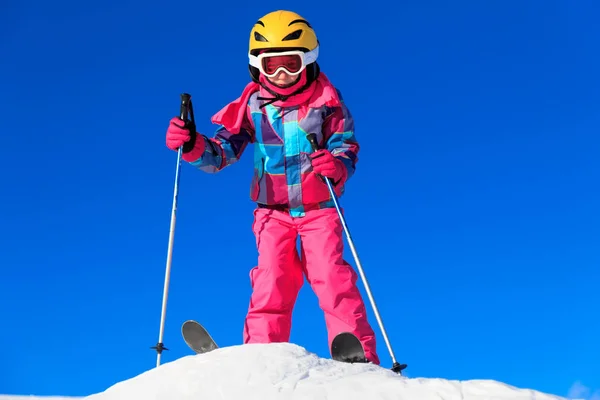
x: 288, y: 371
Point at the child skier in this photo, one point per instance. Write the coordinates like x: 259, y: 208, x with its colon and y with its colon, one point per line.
x: 287, y: 99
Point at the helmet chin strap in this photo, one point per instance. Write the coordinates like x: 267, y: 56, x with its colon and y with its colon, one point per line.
x: 279, y: 96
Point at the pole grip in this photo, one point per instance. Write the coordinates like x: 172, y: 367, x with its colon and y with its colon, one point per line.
x: 185, y: 106
x: 312, y: 138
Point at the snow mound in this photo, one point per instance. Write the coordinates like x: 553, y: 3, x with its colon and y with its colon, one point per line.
x: 287, y: 371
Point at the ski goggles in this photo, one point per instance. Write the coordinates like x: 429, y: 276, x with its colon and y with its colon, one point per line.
x: 293, y: 61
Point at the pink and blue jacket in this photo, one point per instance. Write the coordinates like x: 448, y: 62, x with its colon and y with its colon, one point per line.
x: 282, y: 169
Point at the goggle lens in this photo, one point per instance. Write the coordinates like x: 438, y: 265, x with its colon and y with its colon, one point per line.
x: 291, y: 62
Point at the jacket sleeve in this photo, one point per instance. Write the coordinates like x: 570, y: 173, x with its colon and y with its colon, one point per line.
x: 338, y: 131
x: 224, y: 149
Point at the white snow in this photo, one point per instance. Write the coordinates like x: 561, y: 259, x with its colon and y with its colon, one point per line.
x: 287, y: 371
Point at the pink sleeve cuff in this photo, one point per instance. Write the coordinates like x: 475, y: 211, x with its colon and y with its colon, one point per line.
x: 197, y: 151
x: 339, y: 183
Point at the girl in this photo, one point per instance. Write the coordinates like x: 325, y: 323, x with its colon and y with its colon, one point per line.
x: 287, y: 99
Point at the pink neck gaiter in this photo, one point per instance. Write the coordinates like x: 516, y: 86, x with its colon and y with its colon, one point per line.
x: 294, y: 100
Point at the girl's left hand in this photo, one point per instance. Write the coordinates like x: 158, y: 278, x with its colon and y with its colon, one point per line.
x: 325, y: 164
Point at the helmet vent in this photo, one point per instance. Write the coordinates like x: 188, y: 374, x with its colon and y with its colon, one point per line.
x: 260, y: 38
x: 300, y: 21
x: 294, y: 35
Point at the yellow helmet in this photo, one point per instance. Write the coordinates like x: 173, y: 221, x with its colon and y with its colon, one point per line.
x: 282, y: 30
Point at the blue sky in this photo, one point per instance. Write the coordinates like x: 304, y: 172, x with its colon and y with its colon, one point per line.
x: 474, y: 207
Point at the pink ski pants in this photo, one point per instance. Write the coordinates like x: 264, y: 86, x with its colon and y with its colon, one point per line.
x: 280, y: 273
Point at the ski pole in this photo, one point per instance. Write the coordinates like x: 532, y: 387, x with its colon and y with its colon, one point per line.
x: 185, y: 109
x: 396, y: 367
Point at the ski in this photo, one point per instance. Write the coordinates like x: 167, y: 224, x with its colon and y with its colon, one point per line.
x: 197, y: 337
x: 347, y: 348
